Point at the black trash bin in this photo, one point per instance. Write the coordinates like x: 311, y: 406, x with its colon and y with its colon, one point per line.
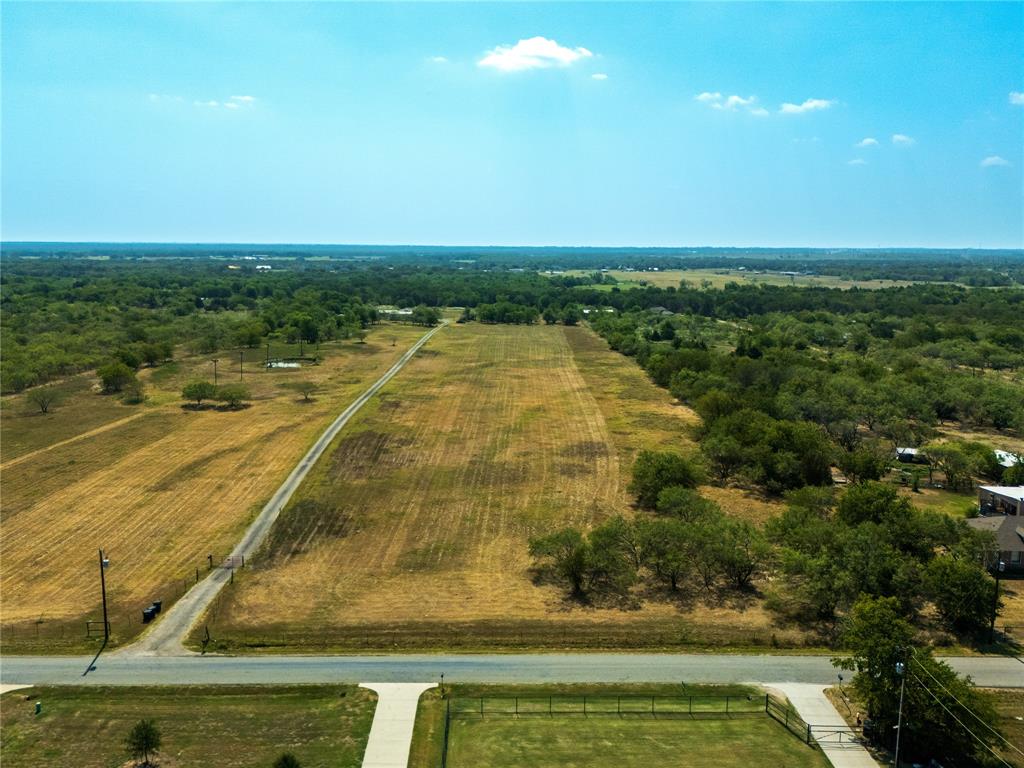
x: 157, y: 606
x: 148, y: 614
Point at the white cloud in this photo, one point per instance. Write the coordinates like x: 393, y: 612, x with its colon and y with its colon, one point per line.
x: 994, y: 161
x: 809, y: 105
x: 243, y: 99
x: 733, y: 102
x: 210, y: 103
x: 1017, y: 98
x: 599, y: 76
x: 867, y: 142
x: 438, y: 59
x: 232, y: 104
x: 902, y: 140
x: 534, y: 53
x: 857, y: 161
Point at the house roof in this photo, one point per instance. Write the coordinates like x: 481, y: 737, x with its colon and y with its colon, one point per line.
x: 1005, y: 458
x: 1015, y: 492
x: 1008, y: 530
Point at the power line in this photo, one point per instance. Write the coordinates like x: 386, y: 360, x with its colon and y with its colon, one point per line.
x: 969, y: 710
x: 961, y: 722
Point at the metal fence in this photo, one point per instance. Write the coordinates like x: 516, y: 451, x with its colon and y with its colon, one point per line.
x: 638, y: 706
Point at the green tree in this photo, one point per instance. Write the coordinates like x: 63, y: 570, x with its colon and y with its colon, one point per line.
x: 134, y: 393
x: 724, y: 454
x: 143, y: 740
x: 668, y: 550
x: 685, y: 504
x: 306, y: 388
x: 936, y: 700
x: 863, y: 464
x: 287, y: 760
x: 114, y: 376
x: 233, y: 394
x: 654, y: 471
x: 741, y: 550
x: 955, y: 463
x: 1014, y: 474
x: 568, y: 553
x: 44, y: 398
x: 572, y: 314
x: 199, y: 391
x: 962, y: 592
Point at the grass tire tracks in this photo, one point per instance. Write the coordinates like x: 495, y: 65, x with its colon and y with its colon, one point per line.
x: 82, y: 436
x: 166, y: 636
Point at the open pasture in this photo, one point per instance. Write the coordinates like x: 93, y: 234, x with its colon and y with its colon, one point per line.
x: 413, y: 529
x: 227, y: 726
x: 158, y: 491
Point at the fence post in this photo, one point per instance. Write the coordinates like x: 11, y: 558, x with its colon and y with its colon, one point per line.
x: 766, y: 703
x: 517, y: 706
x: 549, y: 706
x: 727, y: 705
x: 652, y: 705
x: 481, y: 706
x: 691, y: 705
x: 808, y: 733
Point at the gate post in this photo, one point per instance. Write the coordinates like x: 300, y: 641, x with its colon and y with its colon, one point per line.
x: 808, y: 733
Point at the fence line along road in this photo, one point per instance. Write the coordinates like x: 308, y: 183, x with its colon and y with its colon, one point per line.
x: 1004, y: 671
x: 167, y: 634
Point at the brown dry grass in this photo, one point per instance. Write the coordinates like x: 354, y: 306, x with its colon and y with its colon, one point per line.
x: 161, y: 491
x: 413, y: 530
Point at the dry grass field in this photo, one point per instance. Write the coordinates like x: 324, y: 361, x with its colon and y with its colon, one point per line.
x: 413, y: 530
x: 157, y: 486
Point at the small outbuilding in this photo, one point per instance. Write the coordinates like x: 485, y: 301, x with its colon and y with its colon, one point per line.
x: 1001, y: 500
x: 910, y: 456
x: 1009, y: 535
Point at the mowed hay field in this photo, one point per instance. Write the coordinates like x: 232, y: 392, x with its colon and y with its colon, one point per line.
x: 413, y: 529
x: 158, y: 486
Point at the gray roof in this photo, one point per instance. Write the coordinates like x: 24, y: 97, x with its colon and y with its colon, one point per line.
x: 1008, y: 530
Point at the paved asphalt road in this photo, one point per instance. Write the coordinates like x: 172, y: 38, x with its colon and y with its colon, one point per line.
x: 166, y: 636
x: 510, y: 668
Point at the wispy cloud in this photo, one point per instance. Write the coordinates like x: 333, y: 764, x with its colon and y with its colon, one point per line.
x: 232, y: 102
x: 437, y: 59
x: 857, y: 161
x: 1017, y: 98
x: 533, y: 53
x: 994, y: 161
x: 734, y: 103
x: 599, y: 76
x: 867, y: 142
x: 902, y: 140
x: 809, y: 105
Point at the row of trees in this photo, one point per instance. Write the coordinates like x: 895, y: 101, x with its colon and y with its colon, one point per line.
x: 826, y: 550
x: 232, y: 395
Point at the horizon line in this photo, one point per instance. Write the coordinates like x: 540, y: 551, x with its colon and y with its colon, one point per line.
x: 203, y: 243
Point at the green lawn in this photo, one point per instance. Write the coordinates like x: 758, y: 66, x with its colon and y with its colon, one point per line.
x: 626, y: 742
x: 221, y: 726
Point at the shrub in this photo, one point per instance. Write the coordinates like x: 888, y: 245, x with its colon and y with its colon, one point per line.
x: 656, y: 470
x: 233, y: 394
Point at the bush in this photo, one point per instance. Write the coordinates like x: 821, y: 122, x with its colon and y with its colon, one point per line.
x: 115, y: 375
x: 685, y: 504
x: 143, y: 740
x: 199, y: 391
x: 134, y: 393
x: 233, y: 394
x: 656, y: 470
x: 287, y: 760
x: 44, y: 398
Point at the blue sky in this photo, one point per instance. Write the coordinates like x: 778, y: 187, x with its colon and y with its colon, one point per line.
x: 538, y: 124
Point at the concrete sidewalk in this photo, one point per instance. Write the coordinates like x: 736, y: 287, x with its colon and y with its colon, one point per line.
x: 813, y: 706
x: 393, y: 721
